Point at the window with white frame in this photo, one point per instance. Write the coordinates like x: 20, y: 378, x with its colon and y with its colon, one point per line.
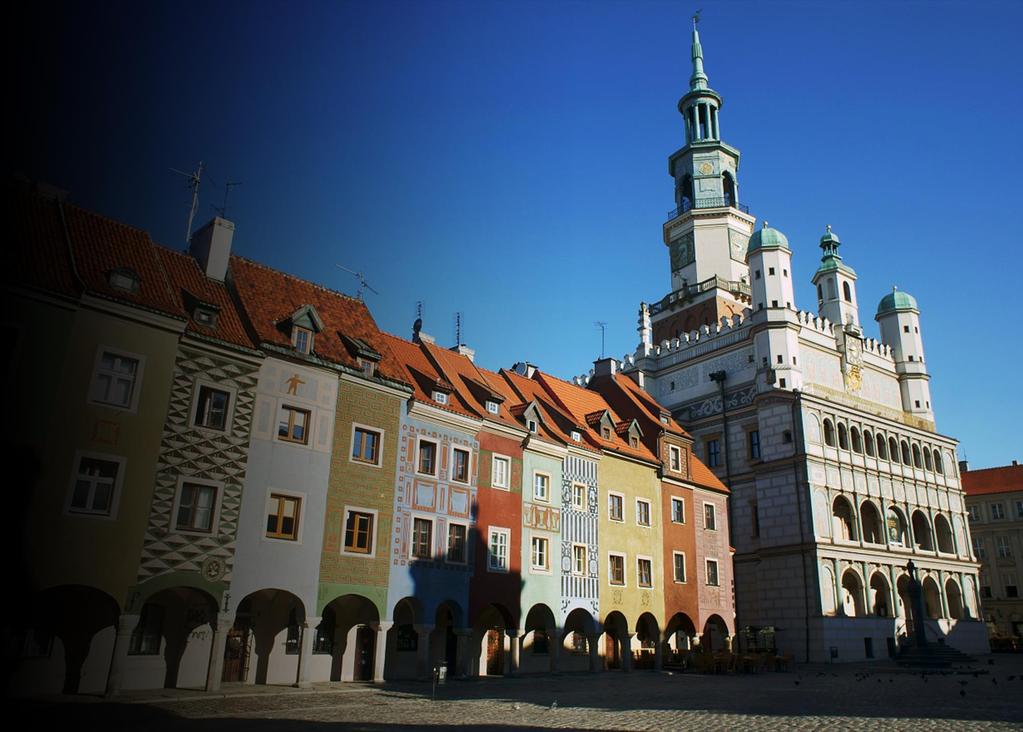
x: 540, y: 558
x: 644, y: 572
x: 426, y: 457
x: 95, y: 484
x: 211, y: 408
x: 359, y: 526
x: 709, y: 517
x: 493, y: 407
x: 282, y: 516
x: 458, y: 535
x: 302, y: 339
x: 541, y: 487
x: 459, y: 465
x: 440, y: 397
x: 678, y: 510
x: 293, y: 425
x: 642, y: 512
x: 499, y: 471
x: 1003, y: 547
x: 997, y: 511
x: 616, y: 507
x: 196, y: 507
x: 497, y: 554
x: 975, y: 514
x: 579, y: 559
x: 679, y: 567
x: 366, y: 445
x: 674, y: 458
x: 421, y: 545
x: 978, y: 548
x: 579, y: 496
x: 712, y: 572
x: 115, y: 382
x: 616, y: 569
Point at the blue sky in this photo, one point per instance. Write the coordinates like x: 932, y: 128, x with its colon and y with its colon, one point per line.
x: 508, y: 159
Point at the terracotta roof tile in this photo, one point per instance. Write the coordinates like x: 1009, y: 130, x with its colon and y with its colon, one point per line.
x: 1004, y: 479
x: 422, y: 375
x: 37, y: 255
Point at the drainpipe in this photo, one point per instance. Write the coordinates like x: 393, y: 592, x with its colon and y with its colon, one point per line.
x: 719, y: 377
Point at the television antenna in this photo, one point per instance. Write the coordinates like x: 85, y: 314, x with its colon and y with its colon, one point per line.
x: 194, y: 179
x: 458, y: 328
x: 603, y: 326
x: 222, y: 210
x: 362, y: 282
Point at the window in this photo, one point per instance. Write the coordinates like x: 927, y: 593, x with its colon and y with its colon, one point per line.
x: 579, y: 559
x: 196, y: 507
x: 1009, y: 582
x: 94, y: 487
x: 857, y: 442
x: 985, y: 592
x: 115, y: 382
x: 426, y: 462
x: 576, y: 436
x: 359, y: 532
x: 440, y: 397
x: 422, y: 538
x: 616, y: 506
x: 293, y: 638
x: 713, y: 453
x: 644, y: 572
x: 497, y: 557
x: 829, y: 433
x: 633, y: 441
x: 323, y: 642
x: 302, y: 339
x: 1003, y: 547
x: 460, y: 465
x: 541, y: 487
x: 642, y: 512
x: 712, y: 572
x: 579, y: 496
x: 674, y: 459
x: 678, y: 511
x: 616, y: 569
x: 457, y: 535
x: 846, y: 292
x: 148, y: 634
x: 493, y: 407
x: 997, y: 511
x: 366, y: 446
x: 531, y: 425
x: 540, y: 554
x: 605, y: 433
x: 709, y: 517
x: 679, y: 571
x: 293, y: 425
x: 1019, y: 509
x: 211, y: 408
x: 499, y: 472
x: 282, y: 516
x: 978, y: 548
x: 975, y: 513
x: 754, y: 444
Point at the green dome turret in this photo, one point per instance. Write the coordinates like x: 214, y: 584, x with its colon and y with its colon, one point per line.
x: 832, y: 260
x: 896, y: 301
x: 766, y: 238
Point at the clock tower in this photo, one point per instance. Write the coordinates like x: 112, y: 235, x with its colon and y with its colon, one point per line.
x: 708, y: 230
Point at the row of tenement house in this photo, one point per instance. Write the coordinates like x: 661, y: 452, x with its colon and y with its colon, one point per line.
x: 235, y: 476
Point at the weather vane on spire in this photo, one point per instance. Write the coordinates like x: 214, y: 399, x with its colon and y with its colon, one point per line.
x: 696, y: 17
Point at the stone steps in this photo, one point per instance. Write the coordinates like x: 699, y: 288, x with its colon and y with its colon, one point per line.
x: 936, y: 655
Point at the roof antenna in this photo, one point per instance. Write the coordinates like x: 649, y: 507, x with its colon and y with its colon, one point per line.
x: 362, y: 282
x: 193, y: 181
x: 458, y: 328
x: 696, y: 17
x: 222, y: 210
x: 603, y: 326
x: 418, y: 325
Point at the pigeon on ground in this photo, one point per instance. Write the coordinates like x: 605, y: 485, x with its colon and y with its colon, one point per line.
x: 555, y: 704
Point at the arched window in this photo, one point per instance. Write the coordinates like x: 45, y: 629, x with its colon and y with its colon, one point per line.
x: 827, y: 591
x: 857, y: 443
x: 686, y: 193
x: 893, y: 449
x: 813, y: 429
x: 932, y: 598
x: 880, y: 596
x: 943, y: 533
x: 829, y: 433
x: 905, y: 453
x: 871, y: 520
x: 843, y: 437
x: 728, y: 183
x: 954, y: 598
x: 922, y: 531
x: 882, y: 450
x: 846, y: 292
x: 820, y: 294
x: 896, y: 525
x: 916, y: 457
x: 831, y: 289
x: 927, y: 459
x: 843, y: 520
x: 852, y: 594
x: 937, y: 463
x: 868, y: 442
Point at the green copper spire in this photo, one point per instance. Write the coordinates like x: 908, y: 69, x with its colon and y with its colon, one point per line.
x: 698, y: 80
x: 832, y: 260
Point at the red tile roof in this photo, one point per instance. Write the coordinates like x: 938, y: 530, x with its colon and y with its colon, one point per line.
x: 37, y: 255
x: 270, y: 297
x: 420, y: 373
x: 558, y: 423
x: 1005, y: 479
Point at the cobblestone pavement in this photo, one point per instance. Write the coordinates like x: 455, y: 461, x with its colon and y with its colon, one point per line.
x: 847, y: 697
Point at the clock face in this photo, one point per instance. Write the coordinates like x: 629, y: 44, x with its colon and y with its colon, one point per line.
x: 706, y: 168
x: 682, y: 252
x: 738, y: 243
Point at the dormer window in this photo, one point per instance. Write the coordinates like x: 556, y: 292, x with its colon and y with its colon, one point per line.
x: 605, y: 432
x: 125, y: 279
x: 302, y: 339
x: 205, y: 316
x: 633, y: 441
x: 367, y: 366
x: 664, y: 420
x: 531, y: 425
x: 493, y: 407
x: 440, y: 397
x: 576, y: 437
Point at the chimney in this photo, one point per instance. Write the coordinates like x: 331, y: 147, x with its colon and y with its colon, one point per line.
x: 1015, y: 463
x: 525, y: 368
x: 464, y: 350
x: 639, y: 377
x: 606, y: 367
x: 211, y: 246
x: 964, y: 466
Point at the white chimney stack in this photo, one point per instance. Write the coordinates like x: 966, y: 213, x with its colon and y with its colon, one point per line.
x: 211, y: 246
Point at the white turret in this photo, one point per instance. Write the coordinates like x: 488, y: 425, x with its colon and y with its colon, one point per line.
x: 776, y: 330
x: 836, y: 285
x: 899, y: 320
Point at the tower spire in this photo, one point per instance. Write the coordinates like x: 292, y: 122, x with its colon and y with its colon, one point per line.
x: 698, y: 80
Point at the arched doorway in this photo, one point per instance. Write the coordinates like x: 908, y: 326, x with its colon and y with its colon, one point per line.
x: 539, y: 644
x: 348, y: 634
x: 171, y: 626
x: 880, y: 596
x: 680, y: 638
x: 648, y: 639
x: 404, y: 659
x: 715, y: 635
x: 852, y: 594
x: 444, y: 639
x: 954, y: 598
x: 922, y: 531
x: 264, y: 644
x: 932, y: 598
x: 490, y: 636
x: 617, y: 650
x: 579, y: 642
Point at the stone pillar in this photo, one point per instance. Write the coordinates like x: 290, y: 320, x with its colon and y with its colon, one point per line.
x: 215, y: 671
x: 591, y: 643
x: 511, y: 659
x: 659, y: 652
x: 126, y: 625
x: 942, y: 594
x: 305, y: 654
x: 462, y: 655
x: 838, y: 590
x: 423, y: 669
x: 554, y: 649
x: 627, y: 651
x: 380, y: 650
